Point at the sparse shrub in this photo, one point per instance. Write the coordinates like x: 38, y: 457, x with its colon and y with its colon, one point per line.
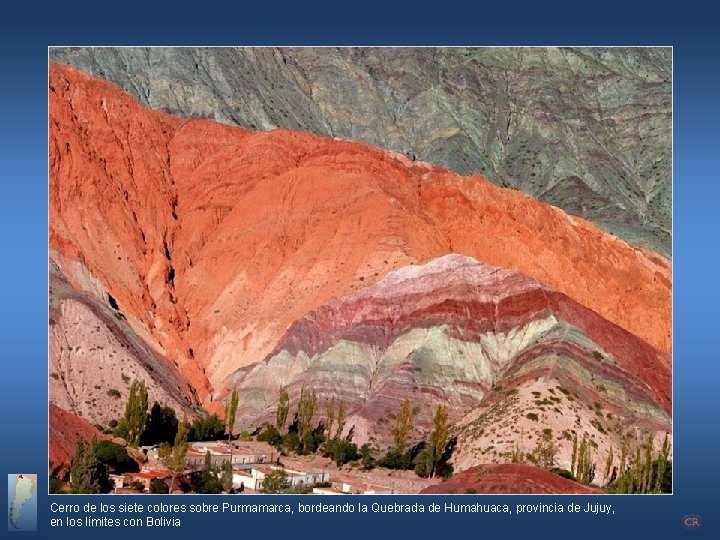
x: 532, y: 416
x: 275, y: 482
x: 159, y: 487
x: 114, y: 393
x: 55, y: 485
x: 394, y: 459
x: 562, y: 472
x: 270, y: 435
x: 424, y: 462
x: 116, y: 457
x: 366, y: 456
x: 341, y: 451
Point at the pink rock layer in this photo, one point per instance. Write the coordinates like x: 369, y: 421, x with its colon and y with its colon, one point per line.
x: 463, y: 334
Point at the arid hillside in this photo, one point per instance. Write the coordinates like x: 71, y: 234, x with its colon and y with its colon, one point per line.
x: 201, y: 258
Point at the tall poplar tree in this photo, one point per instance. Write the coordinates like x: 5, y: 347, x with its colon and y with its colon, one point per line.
x: 136, y: 413
x: 439, y: 436
x: 282, y: 409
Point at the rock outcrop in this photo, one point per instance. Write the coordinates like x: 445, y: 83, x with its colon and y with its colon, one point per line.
x: 508, y: 478
x: 584, y: 129
x: 95, y: 356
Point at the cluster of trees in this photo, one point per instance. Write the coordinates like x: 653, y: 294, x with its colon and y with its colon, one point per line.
x: 88, y: 474
x: 91, y: 465
x: 160, y: 425
x: 647, y: 471
x: 302, y: 436
x: 212, y: 479
x: 331, y: 439
x: 428, y: 458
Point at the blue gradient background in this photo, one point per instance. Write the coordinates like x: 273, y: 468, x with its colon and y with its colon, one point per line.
x: 692, y: 30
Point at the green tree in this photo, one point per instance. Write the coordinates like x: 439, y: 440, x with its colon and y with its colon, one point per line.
x: 366, y: 456
x: 226, y: 478
x: 88, y: 474
x: 545, y: 453
x: 425, y: 462
x: 439, y: 436
x: 585, y: 468
x: 662, y: 466
x: 270, y: 435
x: 206, y: 482
x: 55, y: 485
x: 623, y: 477
x: 330, y: 417
x: 647, y: 471
x: 133, y: 423
x: 116, y: 457
x: 340, y: 419
x: 161, y: 426
x: 341, y: 451
x: 80, y: 472
x: 275, y: 482
x: 394, y: 459
x: 158, y: 487
x: 230, y: 413
x: 306, y: 412
x: 283, y: 409
x: 608, y: 465
x: 208, y: 428
x: 174, y: 456
x: 403, y: 428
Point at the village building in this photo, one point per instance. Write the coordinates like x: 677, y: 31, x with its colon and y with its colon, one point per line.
x: 242, y: 454
x: 294, y: 478
x: 145, y: 477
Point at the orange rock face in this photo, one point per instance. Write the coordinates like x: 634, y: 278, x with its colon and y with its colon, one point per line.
x: 213, y: 240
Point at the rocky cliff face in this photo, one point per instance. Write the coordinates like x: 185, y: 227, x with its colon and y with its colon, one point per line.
x: 587, y: 130
x: 95, y: 355
x: 229, y: 258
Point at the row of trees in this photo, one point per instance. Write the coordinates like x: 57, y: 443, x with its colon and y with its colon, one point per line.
x: 138, y: 426
x: 647, y: 472
x: 428, y: 458
x: 331, y: 438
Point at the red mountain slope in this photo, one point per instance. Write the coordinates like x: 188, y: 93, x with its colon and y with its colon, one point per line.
x: 213, y: 240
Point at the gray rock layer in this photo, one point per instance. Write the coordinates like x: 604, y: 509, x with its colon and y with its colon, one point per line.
x: 587, y: 130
